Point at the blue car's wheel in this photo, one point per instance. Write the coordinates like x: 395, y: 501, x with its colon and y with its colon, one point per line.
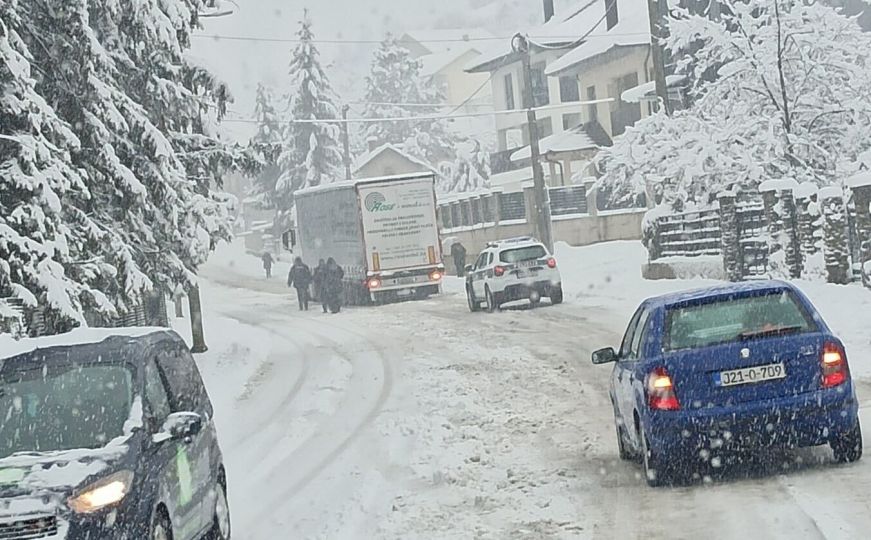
x: 848, y: 447
x: 654, y: 468
x: 625, y: 453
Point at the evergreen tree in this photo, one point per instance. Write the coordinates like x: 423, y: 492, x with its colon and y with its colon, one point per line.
x: 471, y: 169
x: 267, y: 144
x: 40, y: 236
x: 394, y: 83
x: 142, y: 116
x: 311, y: 154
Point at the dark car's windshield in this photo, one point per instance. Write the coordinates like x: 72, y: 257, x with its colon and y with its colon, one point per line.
x: 734, y: 319
x: 77, y: 406
x: 530, y: 253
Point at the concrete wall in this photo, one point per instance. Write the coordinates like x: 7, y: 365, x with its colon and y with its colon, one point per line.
x: 576, y: 231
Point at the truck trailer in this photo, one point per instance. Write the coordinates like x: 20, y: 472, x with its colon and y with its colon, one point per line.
x: 383, y: 232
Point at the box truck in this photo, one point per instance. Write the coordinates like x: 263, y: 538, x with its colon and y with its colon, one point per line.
x: 382, y: 231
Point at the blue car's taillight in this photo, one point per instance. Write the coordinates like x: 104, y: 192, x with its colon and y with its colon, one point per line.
x: 660, y: 391
x: 834, y: 365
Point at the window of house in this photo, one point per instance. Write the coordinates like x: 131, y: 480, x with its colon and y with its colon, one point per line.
x: 540, y: 95
x: 592, y: 110
x: 572, y: 120
x: 509, y: 92
x: 569, y: 91
x: 612, y: 16
x: 623, y: 114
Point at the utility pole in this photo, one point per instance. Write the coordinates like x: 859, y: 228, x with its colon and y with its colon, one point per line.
x: 656, y: 12
x: 541, y: 212
x: 346, y: 142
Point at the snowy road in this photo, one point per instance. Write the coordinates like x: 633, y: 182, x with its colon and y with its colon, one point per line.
x: 422, y: 420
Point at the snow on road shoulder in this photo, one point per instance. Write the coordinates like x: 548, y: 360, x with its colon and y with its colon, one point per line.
x: 608, y: 275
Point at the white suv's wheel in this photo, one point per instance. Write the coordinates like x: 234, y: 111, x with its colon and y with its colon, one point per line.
x: 491, y: 303
x: 474, y: 305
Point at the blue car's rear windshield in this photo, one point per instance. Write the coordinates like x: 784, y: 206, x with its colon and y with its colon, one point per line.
x: 735, y: 319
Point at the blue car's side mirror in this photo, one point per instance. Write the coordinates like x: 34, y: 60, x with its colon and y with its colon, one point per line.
x: 605, y: 356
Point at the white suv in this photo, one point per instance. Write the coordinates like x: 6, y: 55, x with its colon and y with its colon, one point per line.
x: 513, y: 269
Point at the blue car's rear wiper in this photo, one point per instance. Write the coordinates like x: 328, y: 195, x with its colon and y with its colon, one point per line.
x: 778, y: 331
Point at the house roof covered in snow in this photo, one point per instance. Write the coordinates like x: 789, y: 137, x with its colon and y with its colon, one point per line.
x: 581, y: 18
x: 450, y: 40
x: 590, y: 136
x: 632, y: 30
x: 372, y: 155
x: 647, y: 91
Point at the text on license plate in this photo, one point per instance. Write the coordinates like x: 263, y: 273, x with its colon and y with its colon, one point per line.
x: 756, y: 374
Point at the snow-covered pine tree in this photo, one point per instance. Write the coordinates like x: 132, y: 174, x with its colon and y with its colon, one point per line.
x: 394, y: 87
x: 471, y: 169
x: 266, y: 143
x: 40, y: 236
x: 791, y: 98
x: 311, y: 153
x: 120, y: 79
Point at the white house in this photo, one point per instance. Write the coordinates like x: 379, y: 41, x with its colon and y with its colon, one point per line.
x: 613, y: 57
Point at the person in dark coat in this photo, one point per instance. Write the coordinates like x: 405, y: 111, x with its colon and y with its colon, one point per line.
x: 267, y: 263
x: 300, y: 278
x: 318, y: 281
x: 333, y: 275
x: 458, y: 253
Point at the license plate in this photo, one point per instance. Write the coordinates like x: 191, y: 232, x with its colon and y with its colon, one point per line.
x: 406, y: 280
x: 527, y: 273
x: 735, y: 377
x: 527, y: 263
x: 404, y: 292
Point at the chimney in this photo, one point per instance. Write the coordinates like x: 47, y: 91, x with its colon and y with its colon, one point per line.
x: 372, y: 143
x: 548, y: 10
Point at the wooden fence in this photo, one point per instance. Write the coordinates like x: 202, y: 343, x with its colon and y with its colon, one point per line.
x: 741, y: 231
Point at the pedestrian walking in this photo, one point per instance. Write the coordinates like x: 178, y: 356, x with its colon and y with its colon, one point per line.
x: 318, y: 280
x: 300, y: 278
x: 268, y: 261
x: 458, y: 253
x: 333, y: 276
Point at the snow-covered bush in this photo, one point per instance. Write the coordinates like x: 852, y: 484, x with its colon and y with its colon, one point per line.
x: 790, y: 97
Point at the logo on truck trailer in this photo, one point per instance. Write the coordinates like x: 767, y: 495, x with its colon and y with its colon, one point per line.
x: 377, y: 202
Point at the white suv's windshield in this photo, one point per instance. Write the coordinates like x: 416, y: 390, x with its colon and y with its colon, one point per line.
x: 524, y: 254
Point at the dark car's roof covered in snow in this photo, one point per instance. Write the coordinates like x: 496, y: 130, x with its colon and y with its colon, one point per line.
x: 108, y: 342
x: 718, y: 291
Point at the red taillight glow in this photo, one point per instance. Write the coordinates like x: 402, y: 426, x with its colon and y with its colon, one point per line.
x: 660, y: 391
x: 834, y: 365
x: 373, y: 283
x: 551, y: 263
x: 435, y: 275
x: 499, y: 271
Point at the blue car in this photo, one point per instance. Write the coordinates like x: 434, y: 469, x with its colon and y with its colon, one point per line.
x: 729, y: 369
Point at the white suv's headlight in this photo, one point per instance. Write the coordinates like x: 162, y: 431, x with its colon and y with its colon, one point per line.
x: 102, y: 493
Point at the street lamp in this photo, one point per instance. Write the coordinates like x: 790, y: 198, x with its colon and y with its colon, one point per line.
x: 543, y: 229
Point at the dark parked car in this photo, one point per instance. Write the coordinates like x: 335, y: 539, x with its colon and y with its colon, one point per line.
x: 108, y: 436
x: 731, y: 368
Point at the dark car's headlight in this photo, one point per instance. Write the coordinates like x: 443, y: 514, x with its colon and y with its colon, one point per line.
x: 102, y: 493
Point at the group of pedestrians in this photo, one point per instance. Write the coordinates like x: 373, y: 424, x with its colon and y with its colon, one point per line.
x: 326, y: 280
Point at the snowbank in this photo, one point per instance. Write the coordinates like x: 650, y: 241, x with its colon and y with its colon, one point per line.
x: 786, y: 184
x: 609, y: 275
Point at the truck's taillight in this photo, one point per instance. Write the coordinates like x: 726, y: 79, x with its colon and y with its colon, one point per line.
x: 499, y: 271
x: 551, y: 263
x: 660, y: 391
x: 435, y: 275
x: 834, y: 365
x: 373, y: 283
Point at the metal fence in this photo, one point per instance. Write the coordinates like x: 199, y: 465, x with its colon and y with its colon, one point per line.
x: 570, y: 200
x: 689, y: 234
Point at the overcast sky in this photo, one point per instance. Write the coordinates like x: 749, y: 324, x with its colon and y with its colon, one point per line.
x: 243, y: 64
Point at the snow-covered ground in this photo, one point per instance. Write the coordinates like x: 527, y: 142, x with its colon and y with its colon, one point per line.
x: 422, y: 420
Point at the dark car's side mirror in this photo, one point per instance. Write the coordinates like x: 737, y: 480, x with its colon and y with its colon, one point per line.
x: 180, y: 426
x: 605, y: 356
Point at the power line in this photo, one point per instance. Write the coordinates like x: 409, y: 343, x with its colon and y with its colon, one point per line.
x: 572, y: 105
x: 218, y: 37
